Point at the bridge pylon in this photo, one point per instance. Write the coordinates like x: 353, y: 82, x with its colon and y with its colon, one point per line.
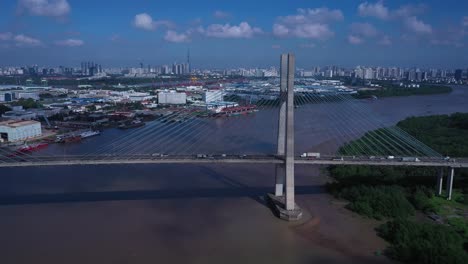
x: 283, y: 201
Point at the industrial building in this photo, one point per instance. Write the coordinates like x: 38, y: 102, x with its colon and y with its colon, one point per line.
x: 28, y: 95
x: 172, y: 98
x: 18, y: 113
x: 213, y: 96
x: 7, y: 96
x: 13, y: 131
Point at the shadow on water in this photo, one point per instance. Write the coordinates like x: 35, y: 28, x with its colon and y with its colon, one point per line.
x: 235, y: 185
x: 147, y: 195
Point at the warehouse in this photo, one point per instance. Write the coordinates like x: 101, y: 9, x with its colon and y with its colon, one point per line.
x: 172, y: 98
x: 13, y: 131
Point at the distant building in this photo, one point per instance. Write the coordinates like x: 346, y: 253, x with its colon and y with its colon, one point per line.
x: 28, y: 95
x: 139, y: 97
x: 13, y: 131
x: 7, y: 96
x: 213, y: 96
x: 458, y: 75
x: 172, y: 98
x: 18, y: 113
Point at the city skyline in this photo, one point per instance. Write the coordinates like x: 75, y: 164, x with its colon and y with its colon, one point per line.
x: 226, y: 35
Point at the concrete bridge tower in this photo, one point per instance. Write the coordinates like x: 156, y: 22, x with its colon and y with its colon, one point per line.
x: 283, y: 201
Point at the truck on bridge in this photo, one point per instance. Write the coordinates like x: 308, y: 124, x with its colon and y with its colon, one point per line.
x: 311, y: 155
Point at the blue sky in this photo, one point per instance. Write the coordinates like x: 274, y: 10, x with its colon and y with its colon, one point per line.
x: 223, y: 34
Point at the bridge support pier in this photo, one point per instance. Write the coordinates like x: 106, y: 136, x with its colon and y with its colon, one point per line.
x: 450, y: 184
x: 279, y: 177
x: 440, y: 181
x: 285, y: 205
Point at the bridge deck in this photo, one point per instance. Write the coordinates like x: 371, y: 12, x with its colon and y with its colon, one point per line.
x: 111, y: 160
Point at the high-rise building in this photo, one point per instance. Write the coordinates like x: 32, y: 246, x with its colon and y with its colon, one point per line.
x: 458, y: 75
x: 188, y: 66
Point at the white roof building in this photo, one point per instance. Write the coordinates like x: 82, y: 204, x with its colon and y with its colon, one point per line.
x: 13, y: 131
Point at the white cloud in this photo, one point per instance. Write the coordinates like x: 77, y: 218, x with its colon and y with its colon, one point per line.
x: 221, y: 14
x: 243, y: 30
x: 465, y: 21
x: 406, y: 14
x: 355, y: 40
x: 146, y: 22
x: 308, y: 23
x: 172, y: 36
x: 309, y: 16
x: 380, y: 11
x: 385, y: 40
x: 312, y: 31
x: 280, y: 30
x: 23, y: 40
x: 377, y: 10
x: 276, y: 46
x: 417, y: 26
x: 363, y: 29
x: 52, y: 8
x: 70, y: 42
x: 5, y: 36
x: 410, y: 10
x: 454, y: 36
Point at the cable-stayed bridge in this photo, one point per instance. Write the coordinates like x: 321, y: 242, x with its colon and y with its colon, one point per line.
x: 284, y: 126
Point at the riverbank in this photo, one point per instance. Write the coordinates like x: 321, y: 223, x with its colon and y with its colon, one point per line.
x: 397, y: 194
x: 396, y: 91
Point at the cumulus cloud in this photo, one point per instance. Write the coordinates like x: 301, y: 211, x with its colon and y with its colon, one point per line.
x: 146, y: 22
x: 417, y: 26
x: 23, y: 40
x: 361, y: 32
x: 465, y: 21
x: 377, y: 10
x: 385, y: 40
x: 5, y: 36
x: 406, y: 14
x: 51, y: 8
x: 221, y: 14
x: 449, y: 36
x: 363, y: 29
x: 70, y: 42
x: 355, y: 40
x: 172, y: 36
x: 317, y: 15
x: 380, y: 11
x: 307, y: 23
x: 409, y: 10
x: 243, y: 30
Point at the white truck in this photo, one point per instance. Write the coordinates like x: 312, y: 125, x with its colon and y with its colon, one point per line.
x: 410, y: 159
x: 311, y: 155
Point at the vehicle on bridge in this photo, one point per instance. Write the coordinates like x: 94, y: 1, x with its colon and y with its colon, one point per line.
x: 311, y: 155
x: 410, y: 159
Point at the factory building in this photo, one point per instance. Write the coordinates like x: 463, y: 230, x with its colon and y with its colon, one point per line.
x: 28, y: 95
x: 18, y: 113
x: 213, y: 96
x: 172, y: 98
x: 7, y: 96
x: 13, y: 131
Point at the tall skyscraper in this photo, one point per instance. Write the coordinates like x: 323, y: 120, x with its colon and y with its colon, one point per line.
x: 458, y: 75
x: 189, y: 69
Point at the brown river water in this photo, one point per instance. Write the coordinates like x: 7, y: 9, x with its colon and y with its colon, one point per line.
x: 192, y: 213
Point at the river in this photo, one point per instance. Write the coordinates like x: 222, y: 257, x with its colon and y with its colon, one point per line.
x: 197, y: 214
